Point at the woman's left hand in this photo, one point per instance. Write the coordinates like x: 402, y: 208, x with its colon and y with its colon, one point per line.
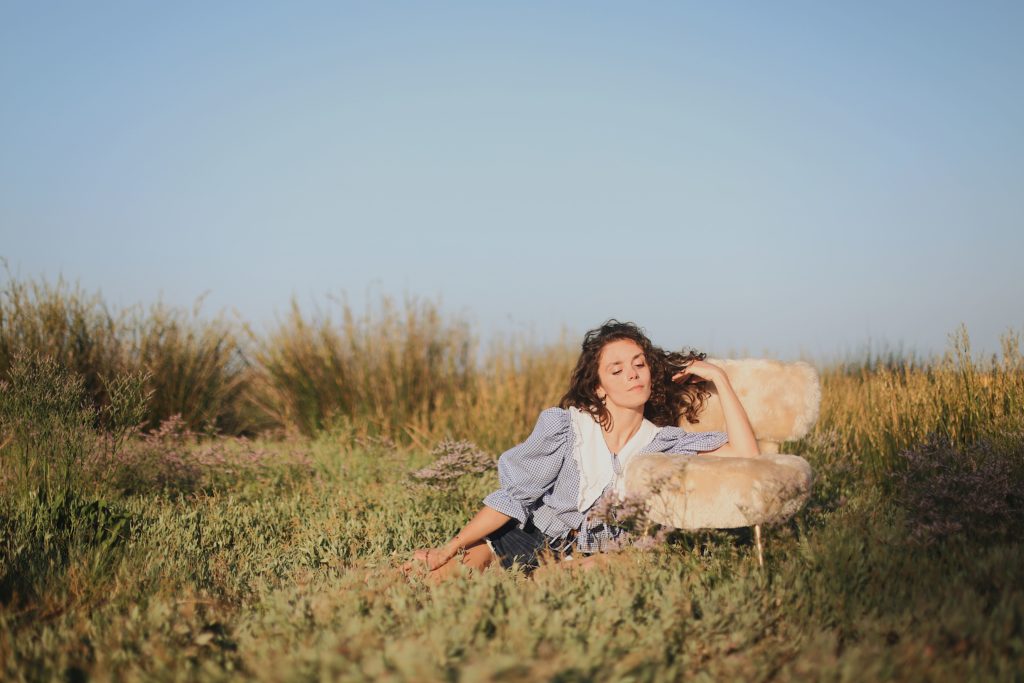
x: 699, y: 371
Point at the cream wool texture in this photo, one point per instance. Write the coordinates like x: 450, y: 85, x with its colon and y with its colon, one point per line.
x: 714, y: 492
x: 781, y: 400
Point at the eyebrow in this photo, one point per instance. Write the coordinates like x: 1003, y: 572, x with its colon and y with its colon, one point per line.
x: 619, y: 362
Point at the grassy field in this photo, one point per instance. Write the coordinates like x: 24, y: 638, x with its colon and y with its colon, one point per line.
x: 254, y: 527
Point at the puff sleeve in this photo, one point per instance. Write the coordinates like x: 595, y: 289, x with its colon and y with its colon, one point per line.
x: 527, y: 471
x: 678, y: 440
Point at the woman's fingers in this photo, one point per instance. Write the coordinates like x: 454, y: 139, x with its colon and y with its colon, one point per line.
x: 686, y: 376
x: 437, y: 557
x: 698, y: 371
x: 432, y: 557
x: 413, y: 567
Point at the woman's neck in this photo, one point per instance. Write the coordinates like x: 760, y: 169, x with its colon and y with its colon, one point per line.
x: 625, y: 423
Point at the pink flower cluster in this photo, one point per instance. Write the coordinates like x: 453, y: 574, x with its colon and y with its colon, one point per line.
x: 630, y: 515
x: 453, y: 460
x: 947, y: 490
x: 172, y: 458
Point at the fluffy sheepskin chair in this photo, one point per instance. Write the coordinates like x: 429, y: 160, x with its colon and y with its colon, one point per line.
x: 714, y: 492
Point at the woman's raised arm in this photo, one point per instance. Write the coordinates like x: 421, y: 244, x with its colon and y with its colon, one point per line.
x: 742, y: 443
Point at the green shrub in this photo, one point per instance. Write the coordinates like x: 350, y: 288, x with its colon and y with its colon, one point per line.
x: 44, y: 535
x: 48, y: 443
x: 46, y: 426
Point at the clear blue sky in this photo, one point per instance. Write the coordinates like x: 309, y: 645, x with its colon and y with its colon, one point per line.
x: 786, y: 178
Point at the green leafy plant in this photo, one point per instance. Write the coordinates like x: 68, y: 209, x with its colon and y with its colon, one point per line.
x: 47, y: 424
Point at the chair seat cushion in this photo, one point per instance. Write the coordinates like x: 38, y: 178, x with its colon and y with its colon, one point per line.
x: 714, y: 492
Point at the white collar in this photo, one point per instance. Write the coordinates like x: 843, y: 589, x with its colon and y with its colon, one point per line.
x: 594, y: 460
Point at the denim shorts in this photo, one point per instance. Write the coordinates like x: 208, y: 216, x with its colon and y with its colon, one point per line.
x: 526, y: 546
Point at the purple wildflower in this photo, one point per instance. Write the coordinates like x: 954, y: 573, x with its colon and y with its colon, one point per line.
x: 453, y: 460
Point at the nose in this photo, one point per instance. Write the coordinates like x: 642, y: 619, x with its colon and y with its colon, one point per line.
x: 634, y: 372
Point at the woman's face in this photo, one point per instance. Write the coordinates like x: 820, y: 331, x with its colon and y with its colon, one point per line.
x: 625, y: 378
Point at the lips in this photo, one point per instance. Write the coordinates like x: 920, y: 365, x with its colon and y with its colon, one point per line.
x: 638, y: 386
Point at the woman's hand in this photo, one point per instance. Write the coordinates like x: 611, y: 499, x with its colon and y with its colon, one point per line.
x: 486, y: 521
x: 699, y: 371
x: 436, y: 557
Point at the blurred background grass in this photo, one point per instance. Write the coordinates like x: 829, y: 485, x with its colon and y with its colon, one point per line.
x: 411, y: 373
x: 185, y: 498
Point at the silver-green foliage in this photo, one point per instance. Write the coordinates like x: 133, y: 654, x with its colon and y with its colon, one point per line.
x: 299, y: 581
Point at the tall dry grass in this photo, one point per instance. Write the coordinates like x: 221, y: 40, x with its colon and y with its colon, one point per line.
x: 195, y: 367
x: 63, y: 322
x: 402, y: 370
x: 519, y: 380
x: 390, y: 370
x: 872, y: 412
x: 409, y: 372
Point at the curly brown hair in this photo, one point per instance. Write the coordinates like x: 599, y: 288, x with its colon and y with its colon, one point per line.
x: 669, y: 400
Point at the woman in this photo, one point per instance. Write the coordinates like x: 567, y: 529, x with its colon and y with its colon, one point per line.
x: 626, y: 396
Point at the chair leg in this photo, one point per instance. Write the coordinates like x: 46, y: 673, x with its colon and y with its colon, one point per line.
x: 760, y: 548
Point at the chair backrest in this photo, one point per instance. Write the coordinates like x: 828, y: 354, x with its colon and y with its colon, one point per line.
x: 781, y: 399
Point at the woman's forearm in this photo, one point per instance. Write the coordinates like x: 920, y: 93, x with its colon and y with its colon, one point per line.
x: 487, y: 521
x: 737, y: 424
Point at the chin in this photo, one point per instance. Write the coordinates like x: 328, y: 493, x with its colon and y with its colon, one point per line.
x: 640, y: 401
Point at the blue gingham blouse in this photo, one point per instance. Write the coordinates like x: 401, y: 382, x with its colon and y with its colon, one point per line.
x: 540, y: 479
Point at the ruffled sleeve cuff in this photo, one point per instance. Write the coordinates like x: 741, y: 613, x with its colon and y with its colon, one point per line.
x: 527, y: 471
x: 678, y: 440
x: 501, y: 501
